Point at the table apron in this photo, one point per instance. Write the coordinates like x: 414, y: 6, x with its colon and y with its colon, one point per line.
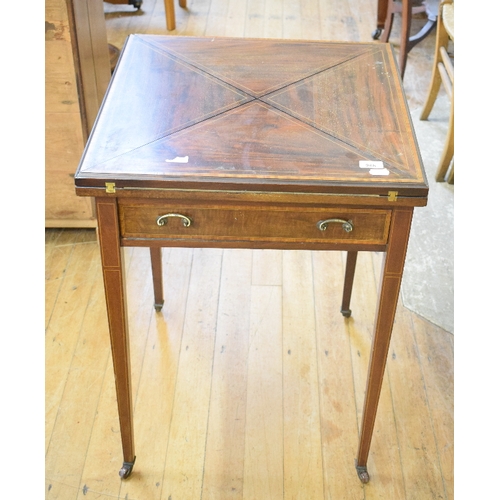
x: 250, y: 244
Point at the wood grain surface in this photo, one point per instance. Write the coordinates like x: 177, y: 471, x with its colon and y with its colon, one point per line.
x: 254, y: 111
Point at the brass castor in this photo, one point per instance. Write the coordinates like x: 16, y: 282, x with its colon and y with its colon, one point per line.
x: 346, y: 313
x: 363, y: 475
x: 126, y: 469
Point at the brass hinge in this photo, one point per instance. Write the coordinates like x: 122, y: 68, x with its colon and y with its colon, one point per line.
x: 392, y: 195
x: 110, y: 187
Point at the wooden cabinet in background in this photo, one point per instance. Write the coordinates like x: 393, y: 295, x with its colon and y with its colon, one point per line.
x: 77, y: 73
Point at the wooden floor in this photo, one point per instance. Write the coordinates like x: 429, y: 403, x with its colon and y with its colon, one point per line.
x: 249, y: 383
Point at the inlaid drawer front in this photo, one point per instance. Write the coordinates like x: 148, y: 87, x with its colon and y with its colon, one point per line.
x: 266, y: 223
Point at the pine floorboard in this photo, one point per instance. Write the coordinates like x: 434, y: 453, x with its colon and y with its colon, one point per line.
x: 248, y: 384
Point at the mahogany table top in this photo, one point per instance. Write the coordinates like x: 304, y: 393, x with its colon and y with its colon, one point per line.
x: 255, y: 114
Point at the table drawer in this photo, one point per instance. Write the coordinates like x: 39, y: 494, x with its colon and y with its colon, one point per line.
x: 253, y: 223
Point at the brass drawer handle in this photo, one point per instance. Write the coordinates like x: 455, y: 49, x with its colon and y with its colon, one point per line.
x: 346, y: 224
x: 162, y: 220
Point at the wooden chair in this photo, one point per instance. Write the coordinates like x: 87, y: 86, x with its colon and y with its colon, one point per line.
x: 388, y: 8
x: 442, y: 73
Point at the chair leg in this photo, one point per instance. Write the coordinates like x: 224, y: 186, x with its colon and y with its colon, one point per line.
x: 388, y: 22
x: 451, y: 175
x: 404, y: 46
x: 406, y: 9
x: 182, y: 4
x: 448, y: 152
x: 156, y: 267
x: 432, y: 93
x: 348, y: 282
x: 170, y: 14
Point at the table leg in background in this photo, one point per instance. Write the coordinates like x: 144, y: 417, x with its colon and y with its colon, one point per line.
x: 350, y: 267
x: 382, y: 6
x: 157, y: 270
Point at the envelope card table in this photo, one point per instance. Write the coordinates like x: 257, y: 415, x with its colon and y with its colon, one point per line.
x: 253, y: 143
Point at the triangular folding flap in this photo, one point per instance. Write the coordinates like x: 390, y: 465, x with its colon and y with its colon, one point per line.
x: 258, y: 66
x: 349, y: 102
x: 142, y: 109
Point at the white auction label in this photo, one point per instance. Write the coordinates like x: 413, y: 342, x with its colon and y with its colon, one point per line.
x: 178, y: 159
x: 371, y: 164
x: 379, y: 171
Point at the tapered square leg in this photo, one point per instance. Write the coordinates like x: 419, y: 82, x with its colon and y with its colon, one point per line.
x: 392, y: 273
x: 114, y: 289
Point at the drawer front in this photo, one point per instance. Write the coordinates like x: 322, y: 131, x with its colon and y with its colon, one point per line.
x: 253, y: 223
